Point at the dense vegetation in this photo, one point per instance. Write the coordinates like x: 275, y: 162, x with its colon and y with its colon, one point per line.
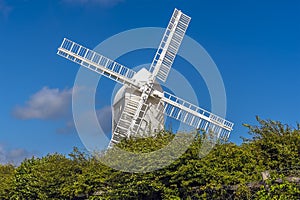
x: 229, y: 171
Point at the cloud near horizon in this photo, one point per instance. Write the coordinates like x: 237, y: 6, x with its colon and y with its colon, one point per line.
x: 45, y: 104
x: 13, y: 156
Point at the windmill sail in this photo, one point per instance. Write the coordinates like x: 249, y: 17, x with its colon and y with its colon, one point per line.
x: 96, y: 62
x: 169, y: 45
x: 142, y: 104
x: 196, y: 117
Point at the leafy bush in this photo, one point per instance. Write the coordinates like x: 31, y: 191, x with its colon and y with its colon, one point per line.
x: 229, y: 171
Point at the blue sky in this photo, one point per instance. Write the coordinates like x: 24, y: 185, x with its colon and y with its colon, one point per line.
x: 255, y: 44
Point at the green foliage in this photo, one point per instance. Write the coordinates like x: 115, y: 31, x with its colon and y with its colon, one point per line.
x: 283, y: 190
x: 278, y: 143
x: 6, y: 180
x: 229, y: 171
x: 50, y: 177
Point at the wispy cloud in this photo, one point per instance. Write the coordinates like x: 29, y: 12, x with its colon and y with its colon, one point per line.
x: 45, y: 104
x: 13, y: 156
x: 105, y: 3
x: 55, y: 104
x: 69, y: 127
x: 5, y: 9
x: 104, y: 117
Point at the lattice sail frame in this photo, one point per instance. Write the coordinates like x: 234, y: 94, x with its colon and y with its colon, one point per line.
x: 96, y: 62
x: 169, y: 45
x: 195, y: 116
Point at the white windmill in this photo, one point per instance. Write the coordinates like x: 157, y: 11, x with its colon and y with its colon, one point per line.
x: 140, y: 105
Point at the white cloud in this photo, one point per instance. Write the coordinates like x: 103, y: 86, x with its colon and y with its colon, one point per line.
x: 46, y: 104
x: 107, y: 3
x: 49, y: 104
x: 13, y: 156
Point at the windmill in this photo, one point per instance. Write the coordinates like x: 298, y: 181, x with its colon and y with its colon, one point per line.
x: 141, y: 104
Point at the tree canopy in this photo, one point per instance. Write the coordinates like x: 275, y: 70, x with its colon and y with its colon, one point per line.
x: 229, y: 171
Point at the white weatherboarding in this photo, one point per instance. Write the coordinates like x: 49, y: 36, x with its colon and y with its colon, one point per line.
x: 141, y: 104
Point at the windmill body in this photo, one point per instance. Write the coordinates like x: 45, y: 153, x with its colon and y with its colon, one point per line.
x: 140, y: 105
x: 153, y: 120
